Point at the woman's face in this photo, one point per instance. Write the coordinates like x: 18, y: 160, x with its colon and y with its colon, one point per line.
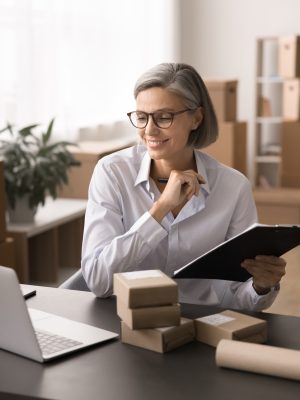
x: 169, y: 143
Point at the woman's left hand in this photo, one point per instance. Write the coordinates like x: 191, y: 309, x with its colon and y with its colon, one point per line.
x: 266, y: 271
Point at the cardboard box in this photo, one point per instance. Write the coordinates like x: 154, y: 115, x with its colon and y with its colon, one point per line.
x: 290, y: 145
x: 224, y: 97
x: 2, y: 204
x: 289, y: 56
x: 230, y: 325
x: 88, y: 153
x: 278, y: 205
x: 231, y: 145
x: 291, y: 99
x: 160, y: 339
x: 145, y: 288
x: 149, y: 317
x: 7, y: 253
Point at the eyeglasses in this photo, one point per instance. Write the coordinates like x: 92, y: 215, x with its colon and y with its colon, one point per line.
x: 162, y: 119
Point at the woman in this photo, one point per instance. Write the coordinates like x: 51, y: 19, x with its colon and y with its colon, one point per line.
x: 161, y: 204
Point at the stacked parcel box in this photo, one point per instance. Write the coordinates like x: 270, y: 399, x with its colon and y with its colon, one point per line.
x: 151, y: 317
x: 147, y: 303
x: 230, y: 148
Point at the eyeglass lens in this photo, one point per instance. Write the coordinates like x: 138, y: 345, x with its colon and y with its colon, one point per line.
x: 161, y: 119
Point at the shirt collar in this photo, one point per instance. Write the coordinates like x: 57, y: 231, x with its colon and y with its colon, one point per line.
x: 144, y: 171
x: 202, y: 171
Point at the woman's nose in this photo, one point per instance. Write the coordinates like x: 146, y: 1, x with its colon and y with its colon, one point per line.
x: 151, y: 128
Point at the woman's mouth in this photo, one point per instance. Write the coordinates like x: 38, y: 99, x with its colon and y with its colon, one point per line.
x: 153, y: 143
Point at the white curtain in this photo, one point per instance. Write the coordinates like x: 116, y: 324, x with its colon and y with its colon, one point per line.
x: 77, y: 60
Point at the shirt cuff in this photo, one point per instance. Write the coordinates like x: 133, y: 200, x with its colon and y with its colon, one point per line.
x: 149, y: 229
x: 264, y: 300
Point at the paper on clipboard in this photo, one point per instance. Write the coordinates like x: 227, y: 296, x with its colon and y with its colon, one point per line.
x: 224, y: 261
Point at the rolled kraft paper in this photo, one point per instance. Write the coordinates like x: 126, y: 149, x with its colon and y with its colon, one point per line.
x: 259, y: 358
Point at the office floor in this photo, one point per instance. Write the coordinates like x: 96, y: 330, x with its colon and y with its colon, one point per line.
x: 287, y: 302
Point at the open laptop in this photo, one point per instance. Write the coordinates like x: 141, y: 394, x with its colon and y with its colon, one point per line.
x: 35, y: 334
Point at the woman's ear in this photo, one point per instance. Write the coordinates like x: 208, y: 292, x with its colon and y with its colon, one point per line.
x: 198, y: 117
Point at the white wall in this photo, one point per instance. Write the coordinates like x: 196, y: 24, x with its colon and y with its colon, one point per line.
x: 219, y: 39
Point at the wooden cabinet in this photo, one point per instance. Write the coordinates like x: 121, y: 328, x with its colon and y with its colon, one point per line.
x: 2, y: 204
x: 52, y: 241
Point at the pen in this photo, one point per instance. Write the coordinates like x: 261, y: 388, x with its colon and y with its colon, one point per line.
x: 162, y: 180
x: 165, y: 180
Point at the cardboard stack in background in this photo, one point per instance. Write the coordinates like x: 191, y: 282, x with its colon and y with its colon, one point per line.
x: 88, y: 153
x: 147, y: 303
x: 289, y: 70
x: 7, y: 255
x: 231, y: 145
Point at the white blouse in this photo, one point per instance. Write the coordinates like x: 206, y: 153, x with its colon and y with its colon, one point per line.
x: 120, y: 234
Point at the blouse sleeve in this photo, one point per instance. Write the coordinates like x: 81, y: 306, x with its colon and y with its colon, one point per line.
x: 107, y: 248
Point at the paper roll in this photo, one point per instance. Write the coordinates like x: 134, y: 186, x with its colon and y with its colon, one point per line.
x: 262, y: 359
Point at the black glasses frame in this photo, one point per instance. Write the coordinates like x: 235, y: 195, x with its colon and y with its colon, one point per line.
x: 154, y: 116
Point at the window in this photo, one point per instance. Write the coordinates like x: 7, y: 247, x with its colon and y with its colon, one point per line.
x: 77, y: 60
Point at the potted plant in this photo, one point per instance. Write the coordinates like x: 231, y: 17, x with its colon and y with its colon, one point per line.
x: 34, y: 167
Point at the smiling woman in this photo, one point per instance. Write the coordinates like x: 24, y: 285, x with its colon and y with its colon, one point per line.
x: 68, y: 59
x: 163, y: 203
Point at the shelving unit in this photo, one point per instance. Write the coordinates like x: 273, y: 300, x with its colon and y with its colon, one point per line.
x: 277, y: 105
x: 268, y: 116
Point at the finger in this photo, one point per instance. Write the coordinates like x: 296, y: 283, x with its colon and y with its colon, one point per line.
x: 188, y: 191
x: 200, y: 179
x: 254, y: 265
x: 271, y: 260
x: 265, y: 278
x: 257, y: 271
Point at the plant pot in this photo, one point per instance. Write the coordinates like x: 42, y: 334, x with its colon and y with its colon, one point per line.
x: 22, y: 213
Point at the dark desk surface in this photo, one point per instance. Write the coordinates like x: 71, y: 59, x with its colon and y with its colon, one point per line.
x: 116, y: 371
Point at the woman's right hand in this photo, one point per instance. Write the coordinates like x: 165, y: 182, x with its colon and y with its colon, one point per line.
x: 180, y: 188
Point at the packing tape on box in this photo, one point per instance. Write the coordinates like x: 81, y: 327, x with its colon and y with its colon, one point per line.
x: 259, y: 358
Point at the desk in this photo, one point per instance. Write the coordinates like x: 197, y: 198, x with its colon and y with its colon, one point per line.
x: 116, y: 371
x: 52, y: 240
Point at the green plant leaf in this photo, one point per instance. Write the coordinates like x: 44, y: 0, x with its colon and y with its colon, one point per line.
x: 27, y: 130
x: 33, y: 165
x: 47, y: 135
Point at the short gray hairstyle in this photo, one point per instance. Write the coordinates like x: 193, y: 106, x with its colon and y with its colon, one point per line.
x: 186, y: 82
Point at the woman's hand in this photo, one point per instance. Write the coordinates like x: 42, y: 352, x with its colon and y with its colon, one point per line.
x: 180, y: 188
x: 266, y: 271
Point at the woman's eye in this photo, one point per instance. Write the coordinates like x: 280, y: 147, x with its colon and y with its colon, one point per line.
x: 163, y: 117
x: 141, y: 117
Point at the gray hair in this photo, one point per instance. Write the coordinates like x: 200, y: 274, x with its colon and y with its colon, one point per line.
x: 185, y: 81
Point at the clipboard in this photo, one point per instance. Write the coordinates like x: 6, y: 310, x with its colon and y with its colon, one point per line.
x: 224, y: 261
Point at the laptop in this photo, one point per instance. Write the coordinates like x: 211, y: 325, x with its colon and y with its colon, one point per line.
x: 38, y: 335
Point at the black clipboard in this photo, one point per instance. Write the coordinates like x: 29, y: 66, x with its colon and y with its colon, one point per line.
x: 224, y: 261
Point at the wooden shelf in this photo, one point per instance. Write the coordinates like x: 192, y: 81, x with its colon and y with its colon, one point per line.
x: 268, y: 159
x: 52, y: 241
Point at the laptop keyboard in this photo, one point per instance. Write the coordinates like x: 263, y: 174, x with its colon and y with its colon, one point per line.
x: 51, y: 343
